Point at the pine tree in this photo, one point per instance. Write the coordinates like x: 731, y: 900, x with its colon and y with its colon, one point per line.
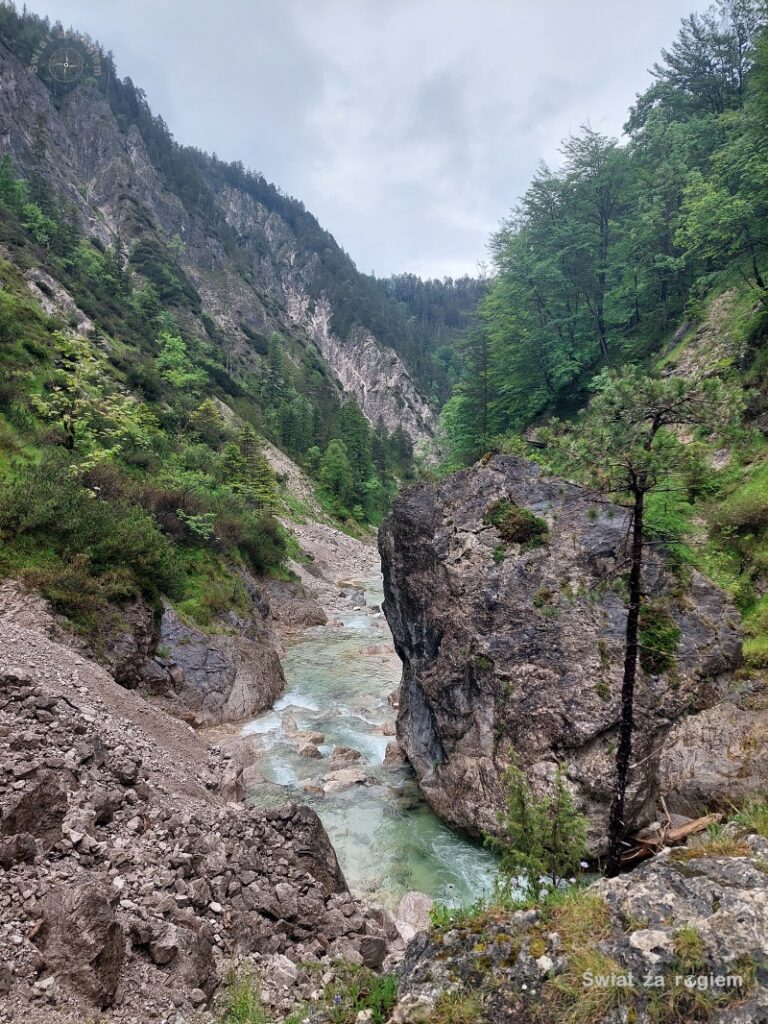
x: 356, y: 435
x: 545, y: 837
x: 337, y: 477
x: 625, y: 446
x: 260, y: 482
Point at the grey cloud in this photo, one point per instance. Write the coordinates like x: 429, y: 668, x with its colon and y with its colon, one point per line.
x: 409, y: 127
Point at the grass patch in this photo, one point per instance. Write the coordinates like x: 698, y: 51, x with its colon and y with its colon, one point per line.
x: 242, y: 1002
x: 356, y: 989
x: 690, y: 949
x: 474, y: 916
x: 457, y: 1008
x: 722, y: 845
x: 569, y: 999
x: 754, y: 817
x: 579, y: 915
x: 210, y: 589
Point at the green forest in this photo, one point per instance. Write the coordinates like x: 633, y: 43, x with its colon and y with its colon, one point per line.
x: 608, y: 255
x: 631, y: 268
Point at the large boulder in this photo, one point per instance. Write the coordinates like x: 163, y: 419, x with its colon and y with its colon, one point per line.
x: 221, y: 677
x: 81, y: 940
x: 505, y: 594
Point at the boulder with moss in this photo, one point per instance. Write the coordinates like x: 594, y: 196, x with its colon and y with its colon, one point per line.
x: 505, y: 592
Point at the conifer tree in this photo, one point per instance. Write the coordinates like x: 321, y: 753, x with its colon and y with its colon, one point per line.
x: 625, y: 445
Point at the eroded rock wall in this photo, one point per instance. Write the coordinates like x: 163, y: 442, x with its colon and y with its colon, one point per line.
x: 516, y: 648
x: 268, y: 281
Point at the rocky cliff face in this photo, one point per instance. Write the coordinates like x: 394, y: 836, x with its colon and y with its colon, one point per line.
x: 228, y: 673
x: 374, y: 374
x: 504, y: 594
x: 260, y: 281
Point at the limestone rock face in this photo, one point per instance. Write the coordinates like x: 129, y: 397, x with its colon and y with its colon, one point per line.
x: 716, y: 758
x: 517, y: 647
x: 221, y: 678
x: 274, y: 282
x: 373, y: 373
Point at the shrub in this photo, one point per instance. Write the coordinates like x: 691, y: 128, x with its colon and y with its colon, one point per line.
x: 172, y: 507
x: 544, y: 837
x: 659, y: 638
x: 80, y: 549
x: 263, y: 544
x: 516, y: 525
x: 357, y: 989
x: 748, y: 507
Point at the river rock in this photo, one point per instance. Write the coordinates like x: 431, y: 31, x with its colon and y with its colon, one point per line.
x: 412, y: 914
x: 394, y: 755
x: 310, y: 750
x: 308, y: 736
x: 289, y: 724
x: 344, y: 778
x: 290, y: 605
x: 345, y: 755
x: 513, y: 648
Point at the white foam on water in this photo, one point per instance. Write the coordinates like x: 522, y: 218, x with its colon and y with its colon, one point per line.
x: 386, y: 838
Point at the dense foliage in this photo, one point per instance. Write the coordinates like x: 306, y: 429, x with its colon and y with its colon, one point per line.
x: 131, y: 461
x: 606, y: 254
x: 439, y: 314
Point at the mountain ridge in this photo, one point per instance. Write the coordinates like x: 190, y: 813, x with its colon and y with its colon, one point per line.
x: 249, y: 259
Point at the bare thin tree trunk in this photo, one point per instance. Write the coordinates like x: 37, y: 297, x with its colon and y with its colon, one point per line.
x: 616, y: 826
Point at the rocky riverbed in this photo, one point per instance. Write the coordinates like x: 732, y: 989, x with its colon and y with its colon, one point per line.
x: 329, y: 740
x: 131, y: 881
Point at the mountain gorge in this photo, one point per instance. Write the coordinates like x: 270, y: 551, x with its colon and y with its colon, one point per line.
x: 217, y: 805
x: 237, y: 262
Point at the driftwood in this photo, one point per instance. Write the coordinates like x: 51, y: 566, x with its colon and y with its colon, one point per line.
x: 651, y: 841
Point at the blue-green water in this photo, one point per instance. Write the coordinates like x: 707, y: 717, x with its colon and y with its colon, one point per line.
x: 387, y: 840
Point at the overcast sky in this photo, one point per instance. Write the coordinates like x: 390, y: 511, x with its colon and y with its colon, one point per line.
x: 408, y: 127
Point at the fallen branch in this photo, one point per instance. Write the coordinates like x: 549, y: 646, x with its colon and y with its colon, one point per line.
x: 650, y: 843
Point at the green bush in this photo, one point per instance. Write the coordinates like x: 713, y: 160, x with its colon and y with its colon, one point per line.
x: 747, y: 506
x: 243, y: 1004
x: 78, y: 548
x: 516, y: 525
x: 659, y: 638
x: 263, y: 543
x: 357, y: 989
